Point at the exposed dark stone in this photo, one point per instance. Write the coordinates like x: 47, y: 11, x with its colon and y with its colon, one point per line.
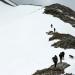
x: 6, y: 2
x: 64, y: 13
x: 49, y: 33
x: 68, y: 74
x: 62, y: 65
x: 66, y: 41
x: 71, y: 56
x: 52, y: 70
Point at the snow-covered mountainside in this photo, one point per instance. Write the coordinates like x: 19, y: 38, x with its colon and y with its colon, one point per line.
x: 24, y: 46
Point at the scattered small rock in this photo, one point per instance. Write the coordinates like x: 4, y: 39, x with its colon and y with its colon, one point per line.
x: 71, y: 56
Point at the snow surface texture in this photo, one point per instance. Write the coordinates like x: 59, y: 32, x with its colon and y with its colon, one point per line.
x: 24, y: 46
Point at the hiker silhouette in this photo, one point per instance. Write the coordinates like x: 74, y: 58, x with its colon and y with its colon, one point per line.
x: 54, y: 29
x: 61, y: 55
x: 55, y: 60
x: 51, y: 25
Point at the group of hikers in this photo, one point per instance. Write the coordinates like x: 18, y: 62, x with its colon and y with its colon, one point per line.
x: 61, y: 55
x: 55, y: 58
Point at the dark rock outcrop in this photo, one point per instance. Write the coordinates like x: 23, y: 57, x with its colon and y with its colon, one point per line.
x: 66, y: 41
x: 62, y: 65
x: 71, y: 56
x: 68, y: 74
x: 52, y: 70
x: 6, y: 2
x: 64, y: 13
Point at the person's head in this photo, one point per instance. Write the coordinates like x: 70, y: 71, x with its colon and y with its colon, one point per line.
x: 63, y: 53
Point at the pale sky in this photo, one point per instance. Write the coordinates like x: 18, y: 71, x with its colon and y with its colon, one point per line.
x: 69, y: 3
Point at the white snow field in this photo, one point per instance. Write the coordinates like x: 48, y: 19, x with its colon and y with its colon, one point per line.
x: 24, y: 46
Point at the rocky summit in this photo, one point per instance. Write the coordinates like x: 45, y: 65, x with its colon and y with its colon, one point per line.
x: 63, y: 12
x: 66, y: 41
x: 58, y: 70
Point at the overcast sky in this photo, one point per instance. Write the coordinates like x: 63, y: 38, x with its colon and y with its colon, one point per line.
x: 70, y: 3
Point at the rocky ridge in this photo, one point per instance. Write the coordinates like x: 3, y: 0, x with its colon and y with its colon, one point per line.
x: 62, y: 12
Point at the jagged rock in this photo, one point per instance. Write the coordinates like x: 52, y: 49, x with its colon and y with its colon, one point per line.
x: 66, y: 41
x: 53, y: 70
x: 71, y: 56
x: 62, y: 65
x: 48, y: 71
x: 6, y: 2
x: 49, y: 33
x: 64, y: 13
x: 68, y: 74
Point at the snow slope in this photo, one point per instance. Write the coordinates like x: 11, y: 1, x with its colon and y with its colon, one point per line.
x: 24, y: 46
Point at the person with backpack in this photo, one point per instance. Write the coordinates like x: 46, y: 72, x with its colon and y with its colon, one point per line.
x: 55, y: 60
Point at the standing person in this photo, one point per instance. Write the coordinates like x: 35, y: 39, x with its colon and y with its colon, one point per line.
x: 55, y: 60
x: 51, y: 26
x: 61, y: 55
x: 54, y: 29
